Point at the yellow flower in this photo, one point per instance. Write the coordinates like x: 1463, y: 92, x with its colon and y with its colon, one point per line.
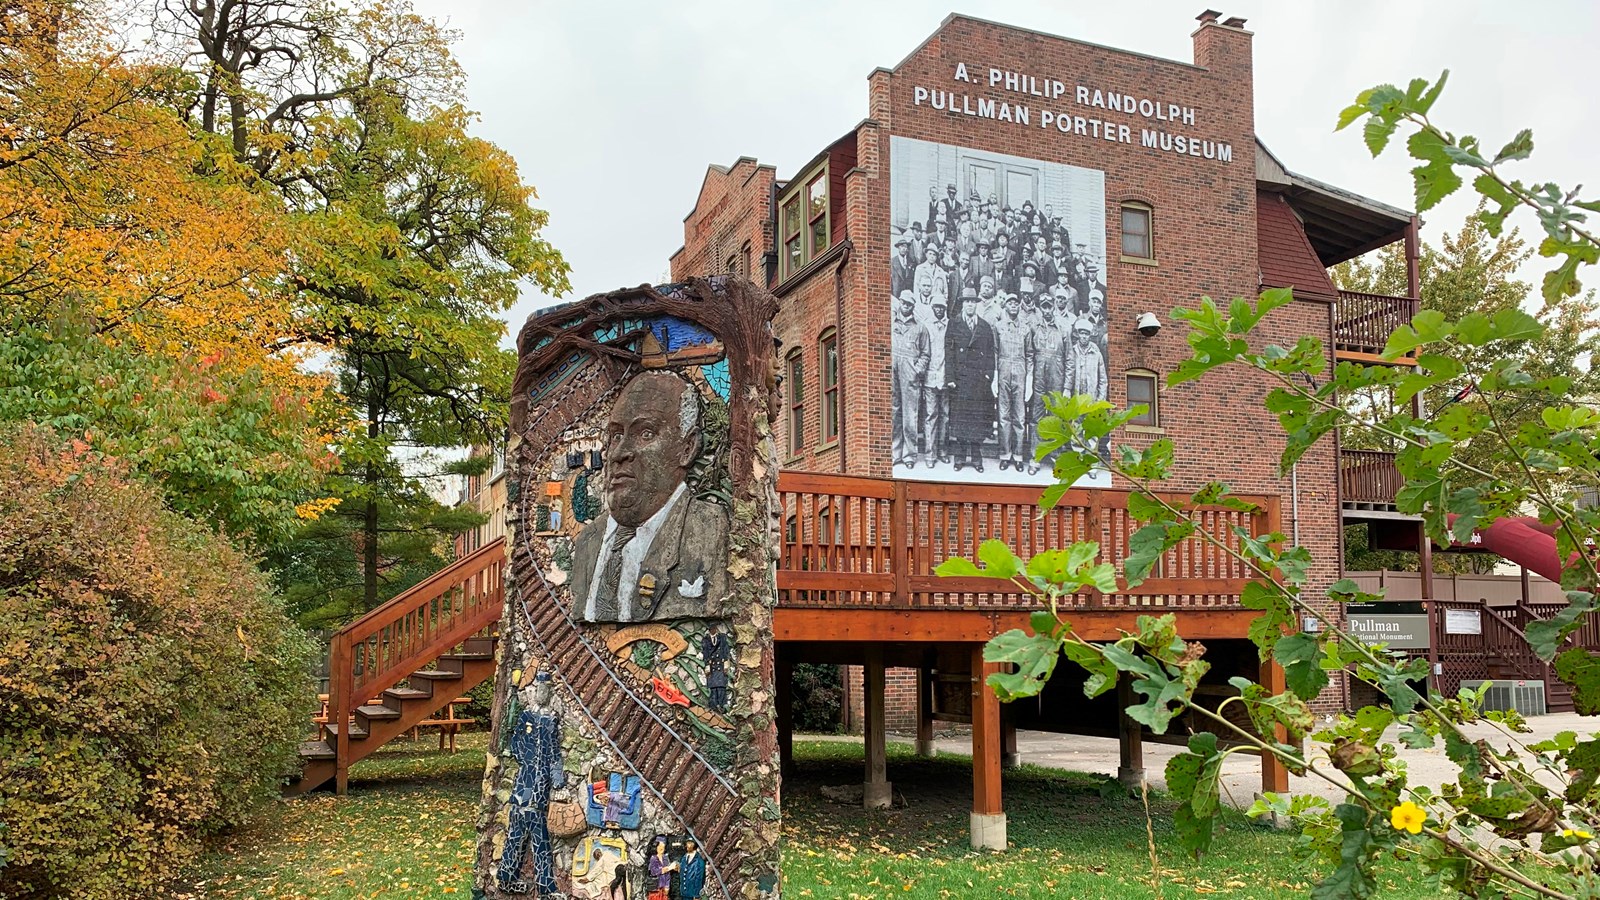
x: 1578, y: 833
x: 1407, y: 817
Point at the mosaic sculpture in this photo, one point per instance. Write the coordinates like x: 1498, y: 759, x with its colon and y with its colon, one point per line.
x: 634, y: 752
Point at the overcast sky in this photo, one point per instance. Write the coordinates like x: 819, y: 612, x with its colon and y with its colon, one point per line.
x: 613, y: 110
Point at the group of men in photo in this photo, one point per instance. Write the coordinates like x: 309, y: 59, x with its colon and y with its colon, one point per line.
x: 993, y: 310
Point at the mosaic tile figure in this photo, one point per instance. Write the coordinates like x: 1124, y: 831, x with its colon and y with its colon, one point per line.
x: 535, y: 744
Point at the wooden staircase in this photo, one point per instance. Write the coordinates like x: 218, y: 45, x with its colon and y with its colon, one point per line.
x: 405, y: 661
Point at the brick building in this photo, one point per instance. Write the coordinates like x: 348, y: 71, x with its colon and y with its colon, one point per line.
x: 1166, y: 195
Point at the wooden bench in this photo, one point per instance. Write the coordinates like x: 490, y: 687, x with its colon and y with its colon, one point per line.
x: 448, y: 723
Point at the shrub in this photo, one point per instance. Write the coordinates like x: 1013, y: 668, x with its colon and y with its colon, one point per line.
x: 151, y: 689
x: 818, y: 697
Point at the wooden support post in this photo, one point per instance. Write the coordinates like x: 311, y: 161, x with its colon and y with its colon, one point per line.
x: 988, y: 817
x: 1009, y: 757
x: 1130, y: 737
x: 340, y: 689
x: 783, y: 685
x: 1274, y: 775
x: 925, y: 680
x: 877, y: 793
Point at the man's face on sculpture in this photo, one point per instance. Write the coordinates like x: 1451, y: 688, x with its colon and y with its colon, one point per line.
x: 938, y: 312
x: 646, y: 451
x: 1097, y: 304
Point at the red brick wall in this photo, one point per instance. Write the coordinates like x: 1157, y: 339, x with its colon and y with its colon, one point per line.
x: 733, y: 211
x: 900, y: 700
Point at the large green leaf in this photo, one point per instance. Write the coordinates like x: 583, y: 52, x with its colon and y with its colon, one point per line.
x: 1034, y: 656
x: 1351, y: 878
x: 1300, y: 655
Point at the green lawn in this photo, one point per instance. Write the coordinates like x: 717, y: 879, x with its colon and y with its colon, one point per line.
x: 406, y: 831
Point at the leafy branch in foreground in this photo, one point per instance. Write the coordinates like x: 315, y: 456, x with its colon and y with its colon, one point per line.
x: 1562, y: 213
x: 1518, y: 821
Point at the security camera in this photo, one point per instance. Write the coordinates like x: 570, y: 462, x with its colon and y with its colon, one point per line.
x: 1149, y: 325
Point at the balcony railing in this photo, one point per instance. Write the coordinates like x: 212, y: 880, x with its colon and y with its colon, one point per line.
x: 1368, y: 479
x: 1362, y: 323
x: 854, y: 542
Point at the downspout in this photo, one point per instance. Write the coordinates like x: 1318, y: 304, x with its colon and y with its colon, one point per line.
x: 838, y: 336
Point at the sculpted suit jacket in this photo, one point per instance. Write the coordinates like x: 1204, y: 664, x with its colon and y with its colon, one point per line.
x: 688, y: 559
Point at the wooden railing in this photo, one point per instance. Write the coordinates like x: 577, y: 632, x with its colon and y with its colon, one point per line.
x: 1368, y: 478
x: 376, y: 651
x: 1362, y: 323
x: 856, y: 542
x: 1506, y: 642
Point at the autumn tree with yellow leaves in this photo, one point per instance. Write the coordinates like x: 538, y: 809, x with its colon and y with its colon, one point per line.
x: 409, y: 239
x: 251, y: 255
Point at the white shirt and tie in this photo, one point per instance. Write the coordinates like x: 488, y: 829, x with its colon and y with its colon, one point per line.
x: 633, y: 554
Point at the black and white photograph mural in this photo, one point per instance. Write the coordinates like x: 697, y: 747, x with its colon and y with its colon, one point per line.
x: 997, y: 285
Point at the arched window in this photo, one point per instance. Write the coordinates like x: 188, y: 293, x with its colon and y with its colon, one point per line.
x: 1144, y: 388
x: 795, y: 372
x: 1138, y: 230
x: 828, y: 364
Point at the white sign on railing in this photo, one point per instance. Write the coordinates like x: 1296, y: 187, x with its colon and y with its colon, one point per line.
x: 1463, y: 621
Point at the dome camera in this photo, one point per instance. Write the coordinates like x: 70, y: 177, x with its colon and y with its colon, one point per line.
x: 1149, y: 325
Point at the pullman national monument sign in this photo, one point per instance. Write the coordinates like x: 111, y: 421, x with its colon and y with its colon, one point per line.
x: 634, y: 753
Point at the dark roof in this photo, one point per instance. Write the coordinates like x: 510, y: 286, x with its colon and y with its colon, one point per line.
x: 1286, y: 255
x: 1340, y: 224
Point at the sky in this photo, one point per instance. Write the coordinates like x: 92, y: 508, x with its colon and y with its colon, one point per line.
x: 613, y: 110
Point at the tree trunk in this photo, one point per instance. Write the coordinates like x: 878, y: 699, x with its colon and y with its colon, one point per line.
x: 369, y: 529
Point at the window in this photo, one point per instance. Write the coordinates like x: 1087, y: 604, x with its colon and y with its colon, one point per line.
x: 1136, y: 222
x: 803, y: 226
x: 794, y: 251
x: 797, y: 403
x: 497, y: 465
x: 1142, y: 389
x: 731, y: 267
x: 817, y: 210
x: 828, y: 361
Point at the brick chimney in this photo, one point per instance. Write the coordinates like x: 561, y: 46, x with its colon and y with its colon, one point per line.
x: 1222, y: 45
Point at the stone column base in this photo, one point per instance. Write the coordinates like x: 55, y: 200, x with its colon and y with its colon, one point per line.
x: 926, y: 749
x: 877, y: 795
x: 1130, y: 777
x: 988, y: 832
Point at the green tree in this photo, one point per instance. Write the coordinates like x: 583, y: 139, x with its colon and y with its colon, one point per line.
x: 1469, y: 271
x: 410, y: 239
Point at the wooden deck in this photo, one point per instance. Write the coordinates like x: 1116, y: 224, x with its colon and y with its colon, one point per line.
x: 857, y: 543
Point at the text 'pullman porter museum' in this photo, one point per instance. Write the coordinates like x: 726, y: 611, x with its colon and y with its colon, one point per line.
x: 997, y: 227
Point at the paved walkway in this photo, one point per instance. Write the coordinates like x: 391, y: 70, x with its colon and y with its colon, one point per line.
x: 1241, y: 773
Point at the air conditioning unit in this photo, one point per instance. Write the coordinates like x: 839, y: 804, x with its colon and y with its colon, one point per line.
x: 1526, y: 697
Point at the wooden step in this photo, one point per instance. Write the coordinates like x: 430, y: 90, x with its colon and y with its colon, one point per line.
x: 435, y: 675
x: 356, y: 731
x: 479, y: 645
x: 316, y: 750
x: 458, y: 662
x: 403, y: 694
x: 376, y: 711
